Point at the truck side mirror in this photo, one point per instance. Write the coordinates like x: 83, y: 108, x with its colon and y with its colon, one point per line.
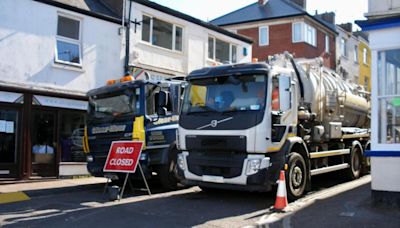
x: 162, y: 103
x: 285, y: 101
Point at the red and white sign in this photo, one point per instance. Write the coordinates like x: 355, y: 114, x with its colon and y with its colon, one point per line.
x: 123, y: 156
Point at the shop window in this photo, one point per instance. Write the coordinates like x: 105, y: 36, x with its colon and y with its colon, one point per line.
x: 8, y: 135
x: 162, y: 34
x: 71, y: 133
x: 389, y: 97
x: 68, y: 44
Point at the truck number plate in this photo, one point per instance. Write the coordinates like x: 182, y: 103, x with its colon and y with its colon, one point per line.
x: 215, y: 179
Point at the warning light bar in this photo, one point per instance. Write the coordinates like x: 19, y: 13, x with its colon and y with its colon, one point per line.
x: 123, y: 79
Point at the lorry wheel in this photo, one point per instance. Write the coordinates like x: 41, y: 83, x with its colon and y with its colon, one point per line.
x: 296, y: 176
x: 168, y: 172
x: 355, y: 163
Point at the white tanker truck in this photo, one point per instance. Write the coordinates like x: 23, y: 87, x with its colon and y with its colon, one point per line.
x: 241, y: 124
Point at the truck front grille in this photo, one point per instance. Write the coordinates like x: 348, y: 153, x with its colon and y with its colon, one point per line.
x: 216, y: 163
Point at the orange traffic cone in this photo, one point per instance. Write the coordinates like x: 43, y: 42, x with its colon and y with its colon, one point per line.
x: 281, y: 197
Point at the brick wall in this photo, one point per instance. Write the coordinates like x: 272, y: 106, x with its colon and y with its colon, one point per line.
x: 280, y: 40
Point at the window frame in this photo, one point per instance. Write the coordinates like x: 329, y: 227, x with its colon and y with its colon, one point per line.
x: 305, y: 28
x: 343, y: 47
x: 327, y: 43
x: 260, y: 35
x: 69, y: 40
x: 151, y: 28
x: 355, y: 55
x: 380, y: 97
x: 215, y: 48
x: 365, y: 56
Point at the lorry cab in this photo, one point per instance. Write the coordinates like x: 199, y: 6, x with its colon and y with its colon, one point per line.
x: 142, y: 110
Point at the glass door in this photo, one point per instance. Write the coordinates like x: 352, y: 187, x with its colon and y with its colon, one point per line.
x: 43, y: 138
x: 8, y: 142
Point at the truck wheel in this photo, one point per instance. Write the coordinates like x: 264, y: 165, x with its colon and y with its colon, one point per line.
x: 296, y: 176
x: 355, y: 163
x: 168, y: 172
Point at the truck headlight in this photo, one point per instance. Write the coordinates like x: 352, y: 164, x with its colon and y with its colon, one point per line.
x: 143, y: 157
x: 89, y: 158
x: 253, y: 166
x: 181, y: 162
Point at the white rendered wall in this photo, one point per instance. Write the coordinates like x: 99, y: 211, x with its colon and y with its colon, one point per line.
x: 27, y: 48
x: 353, y: 68
x: 385, y: 171
x: 195, y: 46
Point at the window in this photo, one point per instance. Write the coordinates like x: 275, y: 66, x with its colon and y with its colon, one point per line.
x: 365, y: 56
x: 263, y: 36
x: 68, y: 47
x: 366, y: 82
x: 326, y: 43
x: 71, y: 134
x: 162, y: 34
x: 303, y: 32
x: 389, y: 97
x: 343, y: 47
x: 221, y: 51
x: 356, y: 54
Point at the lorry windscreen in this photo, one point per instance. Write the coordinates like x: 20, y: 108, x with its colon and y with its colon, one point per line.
x: 115, y: 104
x: 226, y: 94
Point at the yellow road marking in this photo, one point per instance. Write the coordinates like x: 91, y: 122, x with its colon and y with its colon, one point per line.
x: 13, y: 197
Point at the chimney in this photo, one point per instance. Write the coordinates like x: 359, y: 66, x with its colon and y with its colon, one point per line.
x: 301, y: 3
x: 262, y: 2
x: 347, y: 27
x: 328, y: 17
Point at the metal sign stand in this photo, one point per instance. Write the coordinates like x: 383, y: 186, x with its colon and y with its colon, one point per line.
x: 126, y: 180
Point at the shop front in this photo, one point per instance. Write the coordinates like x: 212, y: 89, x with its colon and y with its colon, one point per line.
x: 41, y: 134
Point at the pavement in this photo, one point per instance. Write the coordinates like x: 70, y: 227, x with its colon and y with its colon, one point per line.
x: 21, y: 191
x: 346, y: 204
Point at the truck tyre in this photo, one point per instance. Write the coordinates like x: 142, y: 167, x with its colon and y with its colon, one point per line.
x: 168, y: 172
x: 296, y: 176
x: 355, y: 162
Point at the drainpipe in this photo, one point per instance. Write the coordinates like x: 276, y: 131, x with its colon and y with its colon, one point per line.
x: 127, y: 41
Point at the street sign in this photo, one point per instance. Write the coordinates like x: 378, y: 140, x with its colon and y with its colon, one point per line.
x: 123, y: 156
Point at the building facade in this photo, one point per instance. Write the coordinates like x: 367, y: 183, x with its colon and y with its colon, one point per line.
x: 284, y: 25
x: 54, y: 51
x: 347, y: 58
x: 383, y: 27
x: 364, y: 61
x: 51, y: 54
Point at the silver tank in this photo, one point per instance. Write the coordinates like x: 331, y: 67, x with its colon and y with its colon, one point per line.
x: 331, y: 98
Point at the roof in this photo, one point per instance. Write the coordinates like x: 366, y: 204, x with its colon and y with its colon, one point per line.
x: 186, y: 17
x: 361, y: 34
x: 273, y: 9
x: 94, y: 8
x: 379, y: 23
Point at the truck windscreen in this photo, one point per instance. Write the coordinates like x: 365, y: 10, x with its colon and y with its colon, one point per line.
x: 115, y: 104
x: 225, y: 94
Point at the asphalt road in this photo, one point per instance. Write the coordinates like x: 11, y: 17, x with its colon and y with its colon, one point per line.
x: 183, y: 208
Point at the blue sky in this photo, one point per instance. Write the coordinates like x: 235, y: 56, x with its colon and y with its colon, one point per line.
x: 346, y: 10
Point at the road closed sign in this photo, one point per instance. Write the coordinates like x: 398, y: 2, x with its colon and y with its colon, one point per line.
x: 123, y: 156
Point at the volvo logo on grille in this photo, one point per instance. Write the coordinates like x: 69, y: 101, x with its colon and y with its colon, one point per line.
x: 214, y: 123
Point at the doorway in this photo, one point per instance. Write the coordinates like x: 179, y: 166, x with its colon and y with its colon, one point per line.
x: 8, y: 142
x: 44, y: 143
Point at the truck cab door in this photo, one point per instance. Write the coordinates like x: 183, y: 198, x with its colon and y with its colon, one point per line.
x: 281, y: 109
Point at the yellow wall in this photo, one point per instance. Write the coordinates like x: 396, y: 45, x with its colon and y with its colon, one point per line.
x: 365, y: 69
